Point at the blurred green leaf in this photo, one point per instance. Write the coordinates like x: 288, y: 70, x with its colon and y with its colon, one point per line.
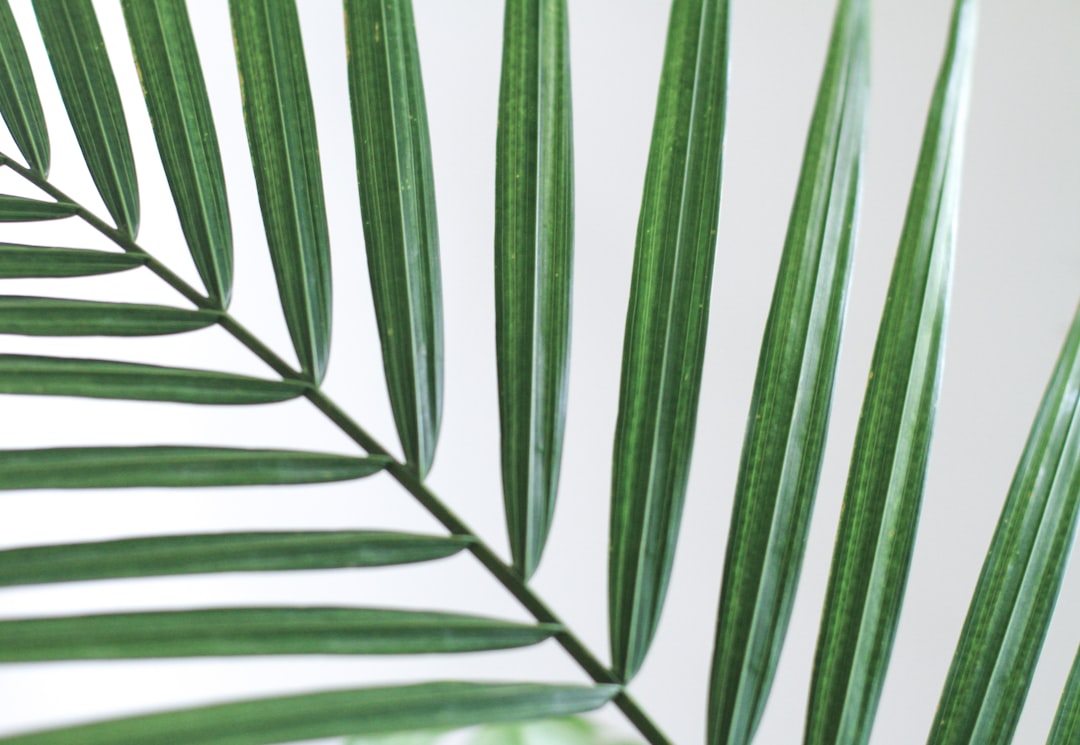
x: 332, y: 714
x: 666, y: 325
x: 888, y: 468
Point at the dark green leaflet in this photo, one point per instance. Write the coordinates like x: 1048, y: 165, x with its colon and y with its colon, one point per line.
x: 36, y: 316
x: 534, y: 199
x: 666, y: 325
x: 72, y: 37
x: 18, y: 260
x: 21, y: 209
x: 397, y: 201
x: 19, y: 103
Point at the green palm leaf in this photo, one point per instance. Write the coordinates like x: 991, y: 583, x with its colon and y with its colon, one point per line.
x: 104, y: 379
x: 72, y: 37
x: 397, y: 201
x: 789, y: 413
x: 666, y: 325
x: 164, y: 50
x: 888, y: 468
x: 18, y: 260
x: 19, y: 102
x: 258, y: 631
x: 280, y: 124
x: 361, y: 711
x: 36, y: 316
x: 174, y: 466
x: 1066, y: 728
x: 21, y: 209
x: 534, y: 199
x: 1010, y: 612
x: 227, y: 552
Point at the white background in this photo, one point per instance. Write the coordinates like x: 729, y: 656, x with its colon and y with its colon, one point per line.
x: 1017, y: 276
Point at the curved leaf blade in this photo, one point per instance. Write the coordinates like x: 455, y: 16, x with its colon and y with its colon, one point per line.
x: 18, y: 260
x: 22, y: 209
x: 39, y: 316
x: 397, y: 203
x: 212, y: 553
x: 789, y: 413
x: 54, y: 376
x: 168, y: 62
x: 87, y: 85
x: 666, y: 325
x: 888, y: 469
x: 363, y: 711
x: 228, y: 632
x: 1066, y: 727
x: 175, y: 466
x: 1012, y: 605
x: 280, y: 123
x: 19, y: 102
x: 534, y: 203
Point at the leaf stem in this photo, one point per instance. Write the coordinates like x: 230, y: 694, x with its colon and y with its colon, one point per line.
x: 403, y: 474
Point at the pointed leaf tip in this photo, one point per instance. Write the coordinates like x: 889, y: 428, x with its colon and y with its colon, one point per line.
x: 533, y: 266
x: 280, y: 121
x: 666, y: 325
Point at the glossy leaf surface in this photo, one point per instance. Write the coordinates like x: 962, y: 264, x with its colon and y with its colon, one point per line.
x: 18, y: 260
x: 666, y: 325
x: 87, y: 84
x: 105, y: 379
x: 257, y: 631
x: 280, y: 124
x: 19, y: 102
x: 38, y: 316
x: 172, y: 78
x: 223, y: 552
x: 22, y: 209
x: 364, y: 711
x: 174, y: 466
x: 789, y: 412
x: 888, y: 469
x: 397, y: 202
x: 1011, y: 609
x: 534, y: 202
